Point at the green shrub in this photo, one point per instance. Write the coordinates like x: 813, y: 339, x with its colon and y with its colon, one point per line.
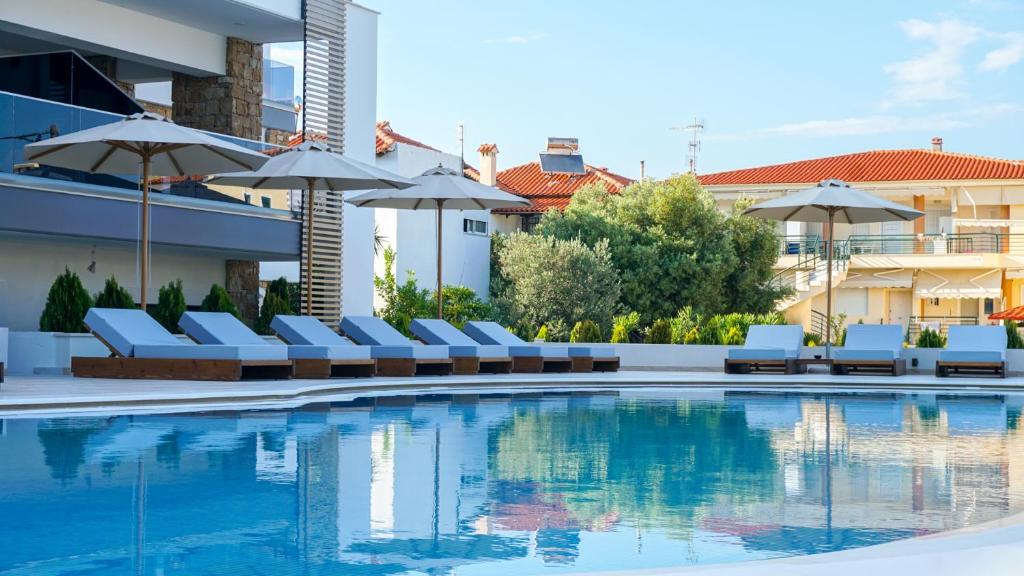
x: 273, y: 305
x: 557, y: 330
x: 774, y: 318
x: 114, y: 295
x: 585, y: 331
x: 624, y: 327
x: 812, y: 339
x: 290, y: 292
x: 1013, y: 339
x: 170, y: 305
x: 660, y: 332
x: 733, y: 337
x: 542, y: 334
x: 930, y: 339
x: 692, y: 337
x: 66, y: 305
x: 402, y: 303
x: 219, y: 301
x: 740, y: 321
x: 711, y: 332
x: 462, y: 305
x: 682, y: 323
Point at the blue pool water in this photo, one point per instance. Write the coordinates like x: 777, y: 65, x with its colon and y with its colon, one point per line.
x: 521, y: 484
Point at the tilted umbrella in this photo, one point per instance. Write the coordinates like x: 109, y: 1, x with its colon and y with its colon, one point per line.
x: 313, y: 166
x: 829, y: 202
x: 440, y: 189
x: 161, y: 146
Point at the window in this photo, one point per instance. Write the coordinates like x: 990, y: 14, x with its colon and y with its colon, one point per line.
x: 989, y: 306
x: 474, y: 226
x: 265, y: 201
x: 247, y: 198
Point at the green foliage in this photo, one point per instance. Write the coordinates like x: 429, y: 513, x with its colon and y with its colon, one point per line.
x: 402, y: 303
x: 671, y: 247
x: 170, y: 306
x: 811, y: 339
x: 1013, y: 339
x: 711, y: 331
x: 114, y: 296
x: 683, y: 322
x: 930, y: 339
x: 66, y: 305
x: 218, y: 300
x: 659, y: 333
x: 773, y: 318
x: 692, y: 337
x: 556, y: 282
x: 624, y: 327
x: 273, y: 305
x: 542, y: 334
x: 290, y: 292
x: 585, y: 331
x: 733, y: 337
x: 839, y: 329
x: 461, y: 305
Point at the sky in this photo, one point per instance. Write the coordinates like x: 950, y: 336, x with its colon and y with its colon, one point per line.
x: 771, y: 81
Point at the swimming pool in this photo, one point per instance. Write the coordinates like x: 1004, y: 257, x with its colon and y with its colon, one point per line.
x: 501, y: 484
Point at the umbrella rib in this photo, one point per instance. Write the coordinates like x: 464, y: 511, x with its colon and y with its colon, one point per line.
x: 793, y: 213
x: 123, y: 146
x: 174, y: 161
x: 416, y: 206
x: 897, y: 214
x: 104, y: 158
x: 478, y: 203
x: 260, y: 182
x: 226, y: 157
x: 57, y: 148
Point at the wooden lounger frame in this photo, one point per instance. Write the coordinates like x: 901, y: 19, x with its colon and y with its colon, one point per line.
x: 538, y: 364
x: 468, y: 365
x: 592, y: 364
x: 787, y: 366
x: 414, y: 366
x: 118, y: 366
x: 943, y: 368
x: 327, y: 368
x: 893, y: 367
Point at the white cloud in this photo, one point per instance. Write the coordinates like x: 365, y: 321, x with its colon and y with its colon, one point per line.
x: 1007, y: 55
x: 936, y: 74
x: 516, y: 39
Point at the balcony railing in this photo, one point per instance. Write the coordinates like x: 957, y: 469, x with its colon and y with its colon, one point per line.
x: 940, y: 324
x: 910, y: 244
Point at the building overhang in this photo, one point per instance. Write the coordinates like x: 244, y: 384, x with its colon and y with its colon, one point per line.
x: 44, y: 207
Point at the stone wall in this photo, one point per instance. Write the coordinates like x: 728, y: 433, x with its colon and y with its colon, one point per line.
x: 229, y: 104
x: 279, y: 137
x: 242, y: 281
x: 108, y: 66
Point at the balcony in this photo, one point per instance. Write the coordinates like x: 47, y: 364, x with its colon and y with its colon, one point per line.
x: 908, y: 244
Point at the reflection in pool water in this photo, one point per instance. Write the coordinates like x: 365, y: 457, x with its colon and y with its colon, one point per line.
x: 501, y: 484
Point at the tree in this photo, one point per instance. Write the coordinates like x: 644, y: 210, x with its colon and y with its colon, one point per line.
x: 585, y: 331
x: 582, y: 286
x: 66, y: 305
x: 287, y: 291
x: 170, y: 306
x: 402, y: 303
x: 273, y: 305
x: 461, y: 304
x: 114, y: 296
x: 218, y: 300
x: 673, y: 247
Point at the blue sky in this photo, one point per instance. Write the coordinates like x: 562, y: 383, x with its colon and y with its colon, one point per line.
x: 771, y: 84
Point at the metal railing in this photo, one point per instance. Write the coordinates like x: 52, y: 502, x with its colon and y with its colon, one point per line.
x: 941, y: 322
x: 799, y: 245
x: 811, y: 265
x: 907, y: 244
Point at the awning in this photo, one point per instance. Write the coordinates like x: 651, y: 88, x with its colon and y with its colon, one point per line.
x: 865, y: 278
x: 1015, y: 313
x: 959, y: 284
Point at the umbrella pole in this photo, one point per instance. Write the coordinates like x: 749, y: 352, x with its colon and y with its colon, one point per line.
x: 828, y: 284
x: 144, y: 259
x: 440, y: 309
x: 309, y: 249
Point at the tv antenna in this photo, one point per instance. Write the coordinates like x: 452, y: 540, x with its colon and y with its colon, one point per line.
x: 694, y: 128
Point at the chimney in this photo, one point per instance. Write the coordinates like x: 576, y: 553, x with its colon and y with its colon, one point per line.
x: 936, y: 144
x: 488, y: 164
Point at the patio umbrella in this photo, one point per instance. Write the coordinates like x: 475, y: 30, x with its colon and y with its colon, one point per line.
x: 440, y: 189
x: 313, y: 166
x: 161, y: 146
x: 829, y: 202
x: 1016, y: 313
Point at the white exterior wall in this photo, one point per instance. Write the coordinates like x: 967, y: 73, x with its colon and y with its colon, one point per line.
x: 360, y: 123
x: 505, y: 224
x: 413, y: 233
x: 29, y: 266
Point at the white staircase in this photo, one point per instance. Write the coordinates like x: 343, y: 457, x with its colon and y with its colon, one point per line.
x: 808, y: 279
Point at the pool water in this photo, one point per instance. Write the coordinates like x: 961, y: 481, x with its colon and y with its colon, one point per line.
x: 502, y: 484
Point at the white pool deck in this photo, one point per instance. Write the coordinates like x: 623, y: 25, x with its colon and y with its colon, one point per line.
x: 994, y: 548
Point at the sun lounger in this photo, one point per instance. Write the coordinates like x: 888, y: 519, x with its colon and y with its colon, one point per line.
x: 554, y: 358
x: 319, y: 352
x: 972, y: 350
x: 468, y: 356
x: 871, y: 348
x: 768, y: 347
x: 141, y: 348
x: 396, y: 355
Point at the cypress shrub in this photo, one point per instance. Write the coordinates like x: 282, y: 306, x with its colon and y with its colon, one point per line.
x: 66, y: 305
x: 585, y: 331
x: 272, y: 306
x: 218, y: 300
x: 930, y: 339
x: 660, y: 332
x: 170, y: 305
x: 619, y: 334
x: 624, y: 326
x: 1013, y: 339
x: 114, y: 296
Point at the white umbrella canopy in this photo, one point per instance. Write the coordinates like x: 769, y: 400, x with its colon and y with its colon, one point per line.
x: 162, y: 147
x: 440, y: 189
x: 829, y: 202
x: 313, y: 166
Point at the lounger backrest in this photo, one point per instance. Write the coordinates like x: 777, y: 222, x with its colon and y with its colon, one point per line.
x: 491, y: 333
x: 218, y: 328
x: 125, y: 329
x: 306, y: 331
x: 976, y: 338
x: 789, y: 337
x: 874, y: 337
x: 434, y: 331
x: 372, y: 331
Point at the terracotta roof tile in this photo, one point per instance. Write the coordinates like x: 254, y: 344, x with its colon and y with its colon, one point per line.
x: 875, y: 166
x: 387, y: 138
x: 546, y: 190
x: 487, y: 149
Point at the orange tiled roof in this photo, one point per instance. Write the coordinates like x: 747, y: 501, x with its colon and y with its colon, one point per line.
x: 387, y: 138
x: 487, y: 148
x: 546, y: 191
x: 875, y: 166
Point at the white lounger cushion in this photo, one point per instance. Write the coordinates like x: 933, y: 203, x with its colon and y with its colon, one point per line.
x: 495, y: 334
x: 440, y: 332
x: 871, y: 342
x: 219, y: 328
x: 306, y: 330
x: 386, y: 341
x: 770, y: 342
x: 125, y: 329
x: 975, y: 344
x: 344, y: 352
x: 212, y: 352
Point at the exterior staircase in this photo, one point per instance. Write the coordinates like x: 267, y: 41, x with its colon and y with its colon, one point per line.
x: 808, y: 277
